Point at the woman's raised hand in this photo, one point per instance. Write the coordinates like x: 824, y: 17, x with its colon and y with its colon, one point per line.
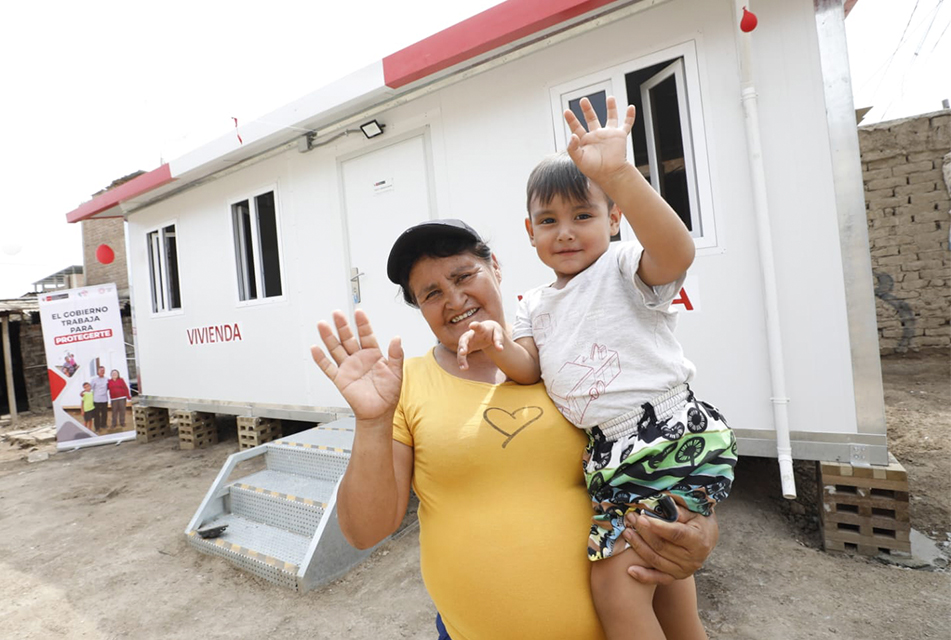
x: 369, y: 381
x: 600, y: 152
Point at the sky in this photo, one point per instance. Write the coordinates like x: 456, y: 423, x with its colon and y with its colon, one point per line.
x: 99, y: 89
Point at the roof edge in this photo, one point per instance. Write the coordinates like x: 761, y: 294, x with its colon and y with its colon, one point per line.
x: 493, y: 28
x: 112, y: 198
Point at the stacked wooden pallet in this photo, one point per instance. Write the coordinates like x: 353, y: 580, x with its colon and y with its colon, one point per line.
x: 865, y: 509
x: 151, y: 423
x: 253, y: 432
x: 196, y: 429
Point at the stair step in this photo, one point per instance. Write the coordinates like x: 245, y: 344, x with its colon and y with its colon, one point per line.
x: 324, y: 462
x: 264, y: 550
x: 289, y: 501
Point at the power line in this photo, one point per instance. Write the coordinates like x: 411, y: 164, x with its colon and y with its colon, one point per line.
x: 901, y: 41
x: 914, y: 59
x: 938, y: 40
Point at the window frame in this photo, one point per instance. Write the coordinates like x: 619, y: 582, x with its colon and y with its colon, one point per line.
x: 156, y: 250
x: 613, y: 81
x: 242, y: 269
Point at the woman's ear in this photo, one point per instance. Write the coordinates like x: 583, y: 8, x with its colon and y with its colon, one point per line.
x: 496, y: 268
x: 530, y: 230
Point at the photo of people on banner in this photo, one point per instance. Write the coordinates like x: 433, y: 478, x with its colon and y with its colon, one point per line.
x: 85, y: 352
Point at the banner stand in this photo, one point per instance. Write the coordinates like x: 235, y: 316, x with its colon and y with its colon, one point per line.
x: 73, y: 445
x: 86, y: 365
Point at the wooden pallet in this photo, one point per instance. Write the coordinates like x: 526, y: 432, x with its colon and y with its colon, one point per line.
x: 865, y: 509
x: 253, y: 432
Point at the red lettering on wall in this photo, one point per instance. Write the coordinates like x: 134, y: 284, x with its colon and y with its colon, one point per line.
x: 214, y: 333
x: 684, y: 299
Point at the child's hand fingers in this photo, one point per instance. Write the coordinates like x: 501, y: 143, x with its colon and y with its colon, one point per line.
x: 612, y: 113
x: 590, y: 116
x: 462, y: 349
x: 574, y: 146
x: 629, y: 118
x: 574, y: 125
x: 497, y: 336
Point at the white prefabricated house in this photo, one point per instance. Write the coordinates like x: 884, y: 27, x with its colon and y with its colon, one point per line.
x: 237, y: 249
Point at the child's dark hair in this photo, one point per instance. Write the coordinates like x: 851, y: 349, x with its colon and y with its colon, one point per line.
x: 557, y: 175
x: 439, y: 247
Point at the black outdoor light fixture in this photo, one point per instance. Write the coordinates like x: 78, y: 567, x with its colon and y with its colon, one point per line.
x: 372, y: 129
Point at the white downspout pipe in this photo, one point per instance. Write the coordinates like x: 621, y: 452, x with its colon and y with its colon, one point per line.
x: 774, y: 340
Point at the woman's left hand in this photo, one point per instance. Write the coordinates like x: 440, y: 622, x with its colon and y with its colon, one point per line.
x: 369, y: 381
x: 676, y: 550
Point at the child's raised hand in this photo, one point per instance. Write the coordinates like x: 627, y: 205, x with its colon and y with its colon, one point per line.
x: 600, y: 152
x: 481, y: 335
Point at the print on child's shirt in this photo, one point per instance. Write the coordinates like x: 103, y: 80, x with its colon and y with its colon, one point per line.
x: 581, y: 382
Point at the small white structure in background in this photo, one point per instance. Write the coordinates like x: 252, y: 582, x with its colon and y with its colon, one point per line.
x: 238, y: 248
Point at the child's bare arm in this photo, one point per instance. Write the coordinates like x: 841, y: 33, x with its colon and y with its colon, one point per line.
x: 600, y: 153
x: 518, y: 359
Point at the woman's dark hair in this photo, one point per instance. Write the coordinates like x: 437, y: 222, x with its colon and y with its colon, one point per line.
x: 558, y: 175
x: 439, y: 247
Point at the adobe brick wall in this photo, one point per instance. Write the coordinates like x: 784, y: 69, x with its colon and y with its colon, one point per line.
x: 906, y: 167
x: 110, y: 231
x: 33, y: 353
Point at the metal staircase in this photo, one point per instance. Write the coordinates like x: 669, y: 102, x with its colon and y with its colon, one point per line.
x: 282, y: 521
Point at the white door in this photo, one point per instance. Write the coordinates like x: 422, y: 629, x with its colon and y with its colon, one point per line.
x: 386, y: 191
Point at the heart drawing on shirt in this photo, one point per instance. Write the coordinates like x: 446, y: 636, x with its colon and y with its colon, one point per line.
x: 511, y: 423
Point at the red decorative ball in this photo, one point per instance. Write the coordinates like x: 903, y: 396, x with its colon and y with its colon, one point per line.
x: 105, y: 254
x: 748, y: 22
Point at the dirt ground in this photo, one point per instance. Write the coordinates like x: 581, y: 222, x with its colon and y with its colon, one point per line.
x: 92, y: 546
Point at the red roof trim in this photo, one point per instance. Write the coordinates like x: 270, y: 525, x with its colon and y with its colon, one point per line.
x: 135, y: 187
x: 493, y: 28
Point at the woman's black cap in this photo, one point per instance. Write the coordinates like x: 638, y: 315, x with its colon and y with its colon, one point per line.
x: 412, y: 243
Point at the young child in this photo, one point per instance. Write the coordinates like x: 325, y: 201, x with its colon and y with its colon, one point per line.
x: 601, y: 338
x: 89, y: 405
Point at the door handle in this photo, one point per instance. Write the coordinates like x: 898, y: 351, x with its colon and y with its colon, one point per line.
x: 355, y: 274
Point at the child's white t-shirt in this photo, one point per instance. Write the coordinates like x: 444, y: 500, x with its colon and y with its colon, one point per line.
x: 606, y: 340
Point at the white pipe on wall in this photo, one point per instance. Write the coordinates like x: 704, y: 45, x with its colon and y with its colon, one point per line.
x: 777, y: 369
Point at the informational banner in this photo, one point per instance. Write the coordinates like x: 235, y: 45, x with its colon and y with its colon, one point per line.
x: 85, y: 349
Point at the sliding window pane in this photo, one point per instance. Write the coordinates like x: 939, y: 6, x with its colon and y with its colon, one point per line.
x: 171, y: 262
x: 267, y: 236
x: 244, y: 250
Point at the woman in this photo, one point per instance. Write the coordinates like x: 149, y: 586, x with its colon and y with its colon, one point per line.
x: 503, y: 509
x: 118, y: 394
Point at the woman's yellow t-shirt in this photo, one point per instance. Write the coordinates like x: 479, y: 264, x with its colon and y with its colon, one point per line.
x: 503, y: 514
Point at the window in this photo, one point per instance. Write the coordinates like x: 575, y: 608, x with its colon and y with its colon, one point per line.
x: 257, y: 247
x: 163, y: 269
x: 668, y: 140
x: 665, y: 138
